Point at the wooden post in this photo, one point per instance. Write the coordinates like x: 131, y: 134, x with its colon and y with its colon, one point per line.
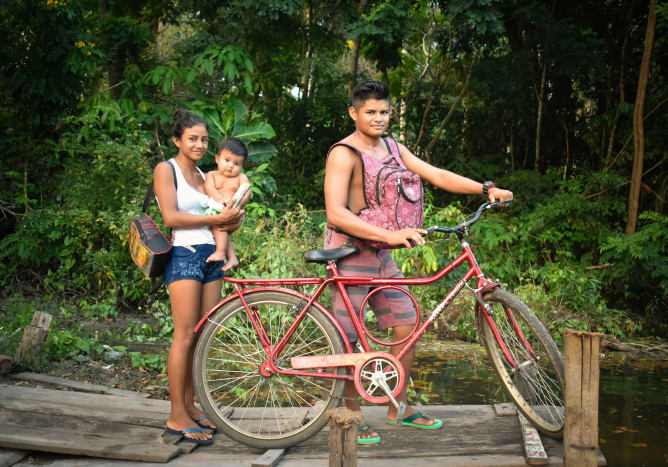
x: 34, y: 335
x: 343, y: 425
x: 581, y: 393
x: 5, y: 364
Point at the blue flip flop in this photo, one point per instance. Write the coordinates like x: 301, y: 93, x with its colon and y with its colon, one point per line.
x: 366, y: 428
x: 182, y: 434
x: 204, y: 417
x: 408, y: 421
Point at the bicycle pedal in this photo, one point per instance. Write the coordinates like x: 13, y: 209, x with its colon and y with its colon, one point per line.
x: 401, y: 412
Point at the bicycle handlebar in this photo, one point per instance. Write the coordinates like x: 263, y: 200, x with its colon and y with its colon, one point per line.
x: 461, y: 228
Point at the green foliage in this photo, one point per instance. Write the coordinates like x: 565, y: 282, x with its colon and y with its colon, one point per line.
x: 87, y: 95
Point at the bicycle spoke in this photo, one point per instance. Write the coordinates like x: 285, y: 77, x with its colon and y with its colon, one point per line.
x: 536, y: 384
x: 273, y: 408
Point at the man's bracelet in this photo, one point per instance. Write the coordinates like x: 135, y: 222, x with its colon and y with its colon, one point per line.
x: 486, y: 187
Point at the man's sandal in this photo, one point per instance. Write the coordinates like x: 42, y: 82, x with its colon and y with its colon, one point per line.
x: 366, y: 428
x: 408, y: 421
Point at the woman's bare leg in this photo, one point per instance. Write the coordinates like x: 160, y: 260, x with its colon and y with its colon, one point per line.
x: 209, y: 298
x: 185, y: 297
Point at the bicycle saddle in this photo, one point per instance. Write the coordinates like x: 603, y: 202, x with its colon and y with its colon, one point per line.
x: 325, y: 256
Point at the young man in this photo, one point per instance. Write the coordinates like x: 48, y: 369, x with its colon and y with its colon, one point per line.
x: 345, y: 197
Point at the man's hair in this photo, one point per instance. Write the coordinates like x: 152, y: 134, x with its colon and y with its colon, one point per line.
x: 235, y: 146
x: 370, y: 89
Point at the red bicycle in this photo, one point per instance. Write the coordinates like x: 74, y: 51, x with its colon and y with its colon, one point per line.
x: 271, y: 360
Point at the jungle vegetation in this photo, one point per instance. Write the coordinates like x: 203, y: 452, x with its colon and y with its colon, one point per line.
x: 563, y: 102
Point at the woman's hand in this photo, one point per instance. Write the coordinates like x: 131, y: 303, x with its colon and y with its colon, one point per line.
x: 406, y: 237
x: 229, y: 219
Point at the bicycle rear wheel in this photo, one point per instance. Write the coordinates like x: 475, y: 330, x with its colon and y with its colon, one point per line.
x: 265, y: 412
x: 536, y: 386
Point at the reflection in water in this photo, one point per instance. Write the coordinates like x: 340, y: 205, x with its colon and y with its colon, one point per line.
x: 633, y: 405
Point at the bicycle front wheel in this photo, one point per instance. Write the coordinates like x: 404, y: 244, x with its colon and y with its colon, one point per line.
x: 265, y: 412
x: 537, y: 384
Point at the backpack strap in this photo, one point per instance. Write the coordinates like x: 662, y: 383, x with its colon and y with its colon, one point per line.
x: 393, y: 149
x: 359, y: 153
x: 353, y: 148
x: 149, y: 190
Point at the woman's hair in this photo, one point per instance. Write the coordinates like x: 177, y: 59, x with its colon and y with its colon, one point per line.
x: 235, y: 146
x: 184, y: 119
x: 370, y: 89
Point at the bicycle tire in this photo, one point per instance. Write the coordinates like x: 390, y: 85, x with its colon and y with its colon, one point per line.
x: 537, y: 387
x: 274, y: 412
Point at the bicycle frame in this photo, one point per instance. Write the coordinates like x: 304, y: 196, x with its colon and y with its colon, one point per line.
x: 242, y: 289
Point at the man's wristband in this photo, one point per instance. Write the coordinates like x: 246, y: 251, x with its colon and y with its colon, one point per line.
x: 486, y: 187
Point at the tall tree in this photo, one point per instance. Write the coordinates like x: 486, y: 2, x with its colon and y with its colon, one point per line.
x: 638, y: 126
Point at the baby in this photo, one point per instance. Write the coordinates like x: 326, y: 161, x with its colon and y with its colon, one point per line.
x: 221, y: 185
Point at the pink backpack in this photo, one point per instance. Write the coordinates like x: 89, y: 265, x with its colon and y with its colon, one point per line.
x: 393, y: 194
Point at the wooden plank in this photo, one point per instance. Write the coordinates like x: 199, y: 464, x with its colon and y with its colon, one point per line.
x: 505, y: 409
x: 77, y: 385
x: 150, y: 412
x: 9, y: 457
x: 94, y: 445
x: 534, y: 452
x: 81, y: 436
x: 271, y: 458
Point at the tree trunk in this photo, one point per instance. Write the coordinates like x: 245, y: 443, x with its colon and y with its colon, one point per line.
x: 309, y: 52
x: 432, y: 92
x: 539, y: 122
x: 568, y: 149
x: 354, y: 62
x: 638, y: 128
x: 622, y: 97
x: 450, y: 113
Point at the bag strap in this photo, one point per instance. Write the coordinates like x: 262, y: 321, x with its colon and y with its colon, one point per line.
x: 149, y: 190
x: 357, y: 151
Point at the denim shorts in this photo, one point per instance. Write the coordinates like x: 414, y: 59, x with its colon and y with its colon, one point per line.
x: 187, y: 264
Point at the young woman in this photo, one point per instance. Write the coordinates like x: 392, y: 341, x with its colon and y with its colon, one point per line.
x: 193, y: 283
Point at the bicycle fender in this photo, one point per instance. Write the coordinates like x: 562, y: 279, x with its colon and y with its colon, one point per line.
x: 296, y: 293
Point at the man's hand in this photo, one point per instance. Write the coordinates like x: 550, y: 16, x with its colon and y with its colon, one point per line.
x: 406, y: 237
x: 497, y: 194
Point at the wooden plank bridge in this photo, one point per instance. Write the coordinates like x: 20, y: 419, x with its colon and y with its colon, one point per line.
x: 58, y: 427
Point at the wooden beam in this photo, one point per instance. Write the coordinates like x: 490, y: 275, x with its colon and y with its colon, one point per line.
x: 505, y: 409
x: 581, y: 353
x: 77, y: 386
x: 534, y: 452
x: 271, y: 458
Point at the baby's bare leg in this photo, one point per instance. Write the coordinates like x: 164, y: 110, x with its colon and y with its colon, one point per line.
x: 222, y: 240
x: 231, y: 257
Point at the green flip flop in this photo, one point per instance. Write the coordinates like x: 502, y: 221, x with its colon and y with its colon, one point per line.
x: 408, y: 421
x: 366, y: 428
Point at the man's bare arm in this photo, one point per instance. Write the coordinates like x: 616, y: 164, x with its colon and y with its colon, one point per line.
x: 446, y: 180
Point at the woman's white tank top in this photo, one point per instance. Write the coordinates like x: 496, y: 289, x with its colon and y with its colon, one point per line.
x: 190, y: 200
